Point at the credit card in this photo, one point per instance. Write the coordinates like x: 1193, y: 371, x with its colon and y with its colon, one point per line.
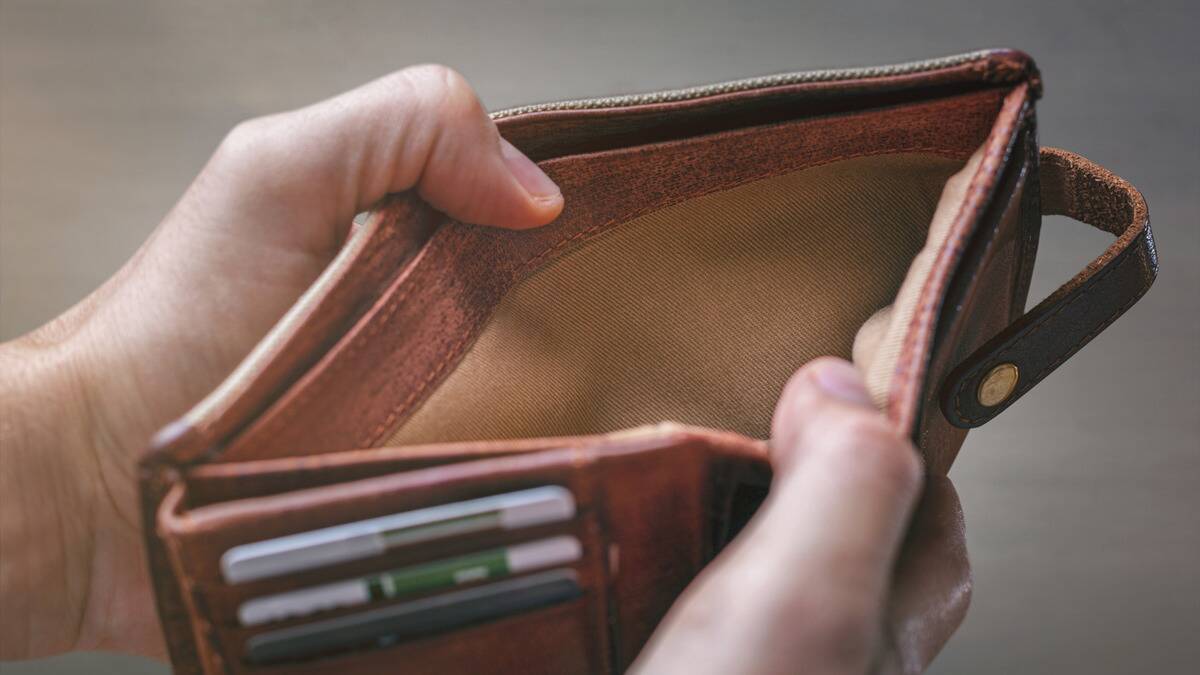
x: 435, y: 614
x: 397, y: 583
x: 367, y: 538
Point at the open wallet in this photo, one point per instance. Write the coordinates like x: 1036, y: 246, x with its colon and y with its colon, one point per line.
x: 476, y: 450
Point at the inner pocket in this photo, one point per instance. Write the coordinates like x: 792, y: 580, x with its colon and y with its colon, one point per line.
x: 432, y: 626
x: 553, y: 640
x: 405, y: 574
x: 697, y: 312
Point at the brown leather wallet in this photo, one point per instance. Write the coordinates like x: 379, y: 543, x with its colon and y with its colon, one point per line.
x: 714, y: 239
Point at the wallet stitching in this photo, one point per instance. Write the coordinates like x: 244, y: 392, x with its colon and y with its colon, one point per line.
x: 1026, y: 333
x: 359, y: 342
x: 454, y: 352
x: 203, y: 630
x: 935, y: 286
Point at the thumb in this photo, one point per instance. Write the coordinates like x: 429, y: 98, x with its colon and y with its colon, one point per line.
x: 803, y: 587
x: 314, y: 168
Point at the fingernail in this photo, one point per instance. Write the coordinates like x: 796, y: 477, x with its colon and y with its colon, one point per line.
x: 842, y: 380
x: 534, y: 180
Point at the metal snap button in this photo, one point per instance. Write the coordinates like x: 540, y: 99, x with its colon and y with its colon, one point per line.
x: 998, y: 385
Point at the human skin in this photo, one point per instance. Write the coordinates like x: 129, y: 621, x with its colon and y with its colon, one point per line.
x: 824, y: 579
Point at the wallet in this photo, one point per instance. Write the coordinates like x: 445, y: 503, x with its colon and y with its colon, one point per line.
x: 620, y: 364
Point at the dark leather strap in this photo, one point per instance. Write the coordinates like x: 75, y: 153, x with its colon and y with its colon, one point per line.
x: 1047, y: 335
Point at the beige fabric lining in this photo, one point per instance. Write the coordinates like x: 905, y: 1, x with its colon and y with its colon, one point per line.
x: 700, y: 312
x: 878, y: 343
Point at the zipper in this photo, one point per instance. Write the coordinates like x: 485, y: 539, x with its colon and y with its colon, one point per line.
x: 751, y: 83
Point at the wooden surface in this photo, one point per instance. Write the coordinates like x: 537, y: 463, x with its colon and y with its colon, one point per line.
x: 1082, y: 503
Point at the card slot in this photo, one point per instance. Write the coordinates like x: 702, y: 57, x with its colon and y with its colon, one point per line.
x: 644, y: 519
x: 583, y: 632
x: 214, y: 483
x: 228, y: 481
x: 560, y: 639
x: 234, y: 635
x: 204, y: 534
x: 224, y: 599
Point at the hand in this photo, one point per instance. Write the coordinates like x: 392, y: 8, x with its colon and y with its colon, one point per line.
x: 824, y: 578
x: 80, y: 397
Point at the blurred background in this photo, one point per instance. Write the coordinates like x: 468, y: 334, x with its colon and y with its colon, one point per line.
x: 1082, y: 501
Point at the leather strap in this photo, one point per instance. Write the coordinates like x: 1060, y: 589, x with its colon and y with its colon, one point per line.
x: 1047, y: 335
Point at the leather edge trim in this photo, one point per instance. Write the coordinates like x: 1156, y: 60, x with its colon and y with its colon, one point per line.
x: 915, y: 356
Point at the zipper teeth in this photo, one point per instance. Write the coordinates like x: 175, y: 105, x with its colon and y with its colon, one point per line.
x: 761, y: 82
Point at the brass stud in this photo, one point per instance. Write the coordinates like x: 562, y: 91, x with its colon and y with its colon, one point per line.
x: 998, y: 384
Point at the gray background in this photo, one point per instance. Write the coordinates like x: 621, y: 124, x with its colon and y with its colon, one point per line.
x: 1081, y: 501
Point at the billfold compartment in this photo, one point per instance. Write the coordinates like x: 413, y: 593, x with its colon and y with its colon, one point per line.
x: 651, y: 509
x: 798, y: 231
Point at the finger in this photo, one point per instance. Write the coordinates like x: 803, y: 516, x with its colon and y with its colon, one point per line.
x: 805, y: 583
x: 846, y: 486
x: 870, y: 336
x: 422, y: 127
x: 826, y: 379
x: 932, y: 581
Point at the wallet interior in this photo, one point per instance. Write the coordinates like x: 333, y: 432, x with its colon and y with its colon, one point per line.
x: 703, y: 270
x: 697, y: 312
x: 686, y: 280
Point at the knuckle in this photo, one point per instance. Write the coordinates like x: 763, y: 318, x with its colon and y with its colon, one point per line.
x: 431, y: 72
x: 246, y: 138
x: 237, y: 137
x: 444, y: 88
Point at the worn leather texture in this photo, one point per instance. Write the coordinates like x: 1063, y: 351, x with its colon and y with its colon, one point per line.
x: 296, y: 438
